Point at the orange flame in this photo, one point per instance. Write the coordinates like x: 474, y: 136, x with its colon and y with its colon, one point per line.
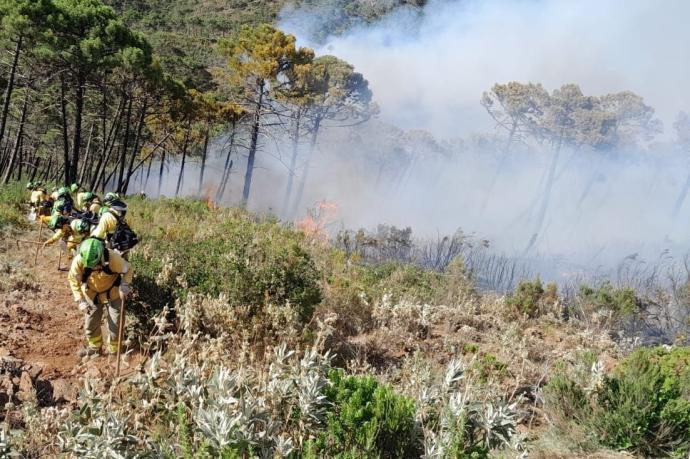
x: 318, y: 218
x: 209, y: 192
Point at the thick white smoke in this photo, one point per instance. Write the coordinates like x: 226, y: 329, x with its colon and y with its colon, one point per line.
x: 428, y: 71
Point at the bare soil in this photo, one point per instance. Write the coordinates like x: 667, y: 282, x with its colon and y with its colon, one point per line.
x: 41, y: 329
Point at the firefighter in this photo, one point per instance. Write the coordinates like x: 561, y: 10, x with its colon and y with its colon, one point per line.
x: 71, y: 232
x: 100, y: 279
x: 114, y: 212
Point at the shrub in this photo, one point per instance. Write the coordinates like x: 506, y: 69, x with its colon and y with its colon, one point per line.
x: 608, y: 301
x: 643, y: 406
x: 532, y: 299
x: 367, y: 420
x: 252, y: 262
x: 12, y: 208
x: 489, y: 367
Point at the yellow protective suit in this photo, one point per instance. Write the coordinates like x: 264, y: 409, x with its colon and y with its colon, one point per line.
x: 70, y: 235
x: 101, y: 288
x: 106, y: 226
x: 100, y: 285
x: 38, y: 196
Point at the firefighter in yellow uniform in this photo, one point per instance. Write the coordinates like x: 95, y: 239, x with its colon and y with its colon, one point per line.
x: 40, y: 201
x: 89, y: 202
x: 109, y: 219
x: 72, y: 233
x: 99, y: 278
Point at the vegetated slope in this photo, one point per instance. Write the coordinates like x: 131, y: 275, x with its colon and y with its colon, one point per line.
x: 184, y: 32
x: 261, y: 340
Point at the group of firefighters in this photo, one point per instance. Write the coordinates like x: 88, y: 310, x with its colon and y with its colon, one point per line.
x: 97, y: 240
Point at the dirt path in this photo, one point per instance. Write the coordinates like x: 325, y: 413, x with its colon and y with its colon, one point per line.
x: 41, y: 328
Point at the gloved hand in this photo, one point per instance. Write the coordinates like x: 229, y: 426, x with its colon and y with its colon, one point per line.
x: 85, y: 307
x: 125, y: 289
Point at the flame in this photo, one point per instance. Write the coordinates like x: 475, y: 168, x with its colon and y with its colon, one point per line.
x: 318, y: 218
x: 209, y: 192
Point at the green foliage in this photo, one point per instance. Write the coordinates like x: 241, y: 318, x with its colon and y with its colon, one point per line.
x: 12, y: 209
x: 191, y: 249
x: 367, y: 420
x: 643, y: 406
x: 490, y: 367
x: 532, y: 299
x: 621, y: 303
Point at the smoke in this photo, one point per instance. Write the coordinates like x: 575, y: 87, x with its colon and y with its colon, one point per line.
x: 427, y: 71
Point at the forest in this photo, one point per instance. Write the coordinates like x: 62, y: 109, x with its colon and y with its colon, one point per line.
x: 334, y: 262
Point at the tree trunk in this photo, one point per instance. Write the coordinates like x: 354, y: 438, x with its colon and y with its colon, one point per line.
x: 109, y: 147
x: 256, y: 124
x: 87, y: 155
x: 125, y: 144
x: 203, y: 161
x: 546, y: 197
x: 65, y: 139
x: 79, y: 94
x: 184, y: 160
x: 148, y: 174
x: 305, y: 174
x: 10, y: 87
x: 46, y: 171
x: 20, y: 146
x: 37, y: 164
x: 681, y: 198
x: 160, y: 174
x: 499, y: 168
x: 17, y: 143
x: 137, y: 139
x: 220, y: 193
x: 293, y: 162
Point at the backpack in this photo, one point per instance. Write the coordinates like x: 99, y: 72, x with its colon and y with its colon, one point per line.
x: 123, y: 238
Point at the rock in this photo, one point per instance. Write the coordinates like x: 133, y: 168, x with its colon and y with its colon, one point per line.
x: 64, y: 391
x: 26, y: 387
x: 6, y: 383
x: 35, y: 372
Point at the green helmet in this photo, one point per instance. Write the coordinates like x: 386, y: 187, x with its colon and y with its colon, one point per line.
x: 64, y: 191
x: 88, y: 196
x: 74, y: 187
x: 30, y: 185
x: 91, y: 252
x: 57, y: 221
x: 80, y: 226
x: 59, y: 206
x: 110, y: 197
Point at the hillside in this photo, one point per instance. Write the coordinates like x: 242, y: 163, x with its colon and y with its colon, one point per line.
x: 249, y: 338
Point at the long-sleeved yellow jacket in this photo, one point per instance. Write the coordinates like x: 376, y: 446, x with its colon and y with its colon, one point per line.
x: 63, y: 233
x: 38, y: 196
x: 99, y: 284
x: 106, y: 226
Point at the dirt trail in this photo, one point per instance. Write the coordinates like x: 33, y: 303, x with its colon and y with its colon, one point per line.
x: 41, y: 327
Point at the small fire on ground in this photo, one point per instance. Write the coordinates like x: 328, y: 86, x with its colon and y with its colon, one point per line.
x: 317, y: 220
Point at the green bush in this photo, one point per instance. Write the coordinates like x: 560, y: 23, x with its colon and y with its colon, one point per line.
x: 621, y: 303
x: 367, y: 420
x: 643, y: 406
x: 189, y: 249
x: 12, y: 206
x: 532, y: 299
